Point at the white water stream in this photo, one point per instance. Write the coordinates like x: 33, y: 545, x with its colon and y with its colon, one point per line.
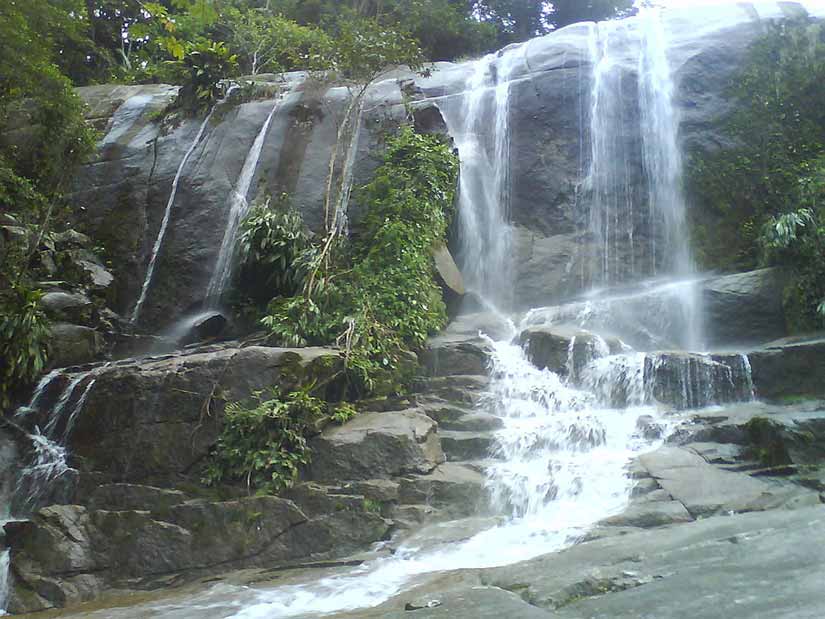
x: 164, y: 224
x: 480, y: 124
x: 238, y: 208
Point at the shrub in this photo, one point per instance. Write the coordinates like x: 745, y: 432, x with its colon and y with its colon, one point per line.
x: 24, y: 333
x: 376, y: 297
x: 264, y: 441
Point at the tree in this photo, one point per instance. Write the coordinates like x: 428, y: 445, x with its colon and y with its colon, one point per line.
x: 566, y: 12
x: 272, y: 43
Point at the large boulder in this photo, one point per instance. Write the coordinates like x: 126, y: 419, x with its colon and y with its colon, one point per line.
x: 744, y: 308
x: 565, y: 350
x: 157, y: 418
x: 374, y: 446
x: 790, y: 368
x: 72, y: 344
x: 69, y: 554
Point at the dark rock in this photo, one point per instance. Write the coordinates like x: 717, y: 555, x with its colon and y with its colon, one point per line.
x: 156, y: 419
x: 461, y: 446
x: 427, y: 118
x: 124, y: 497
x: 788, y: 368
x: 744, y: 308
x: 450, y: 279
x: 74, y: 345
x: 650, y: 514
x: 565, y: 350
x: 457, y: 490
x: 67, y: 306
x: 687, y: 380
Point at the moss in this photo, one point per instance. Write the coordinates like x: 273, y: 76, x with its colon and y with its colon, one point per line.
x: 766, y: 444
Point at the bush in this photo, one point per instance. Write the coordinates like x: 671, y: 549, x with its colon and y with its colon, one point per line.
x: 275, y: 252
x: 24, y: 333
x: 376, y: 297
x: 264, y: 441
x: 204, y: 66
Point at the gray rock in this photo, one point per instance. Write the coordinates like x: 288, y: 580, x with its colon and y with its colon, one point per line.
x: 702, y: 569
x: 788, y: 368
x: 376, y: 445
x: 125, y: 497
x: 153, y: 420
x: 69, y: 554
x: 467, y: 445
x: 67, y: 306
x: 744, y: 308
x: 706, y: 490
x: 687, y: 380
x: 650, y: 514
x: 456, y: 489
x: 565, y: 350
x: 449, y: 277
x: 74, y: 345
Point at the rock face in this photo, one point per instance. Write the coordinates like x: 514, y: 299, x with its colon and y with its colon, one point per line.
x: 789, y: 368
x: 136, y: 413
x: 138, y: 432
x: 745, y: 308
x: 376, y: 445
x: 126, y: 189
x: 67, y: 554
x: 565, y: 350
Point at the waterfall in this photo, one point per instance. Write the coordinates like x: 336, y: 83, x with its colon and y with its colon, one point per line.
x: 611, y: 190
x: 479, y: 123
x: 629, y: 242
x: 150, y: 271
x: 663, y: 167
x: 238, y: 208
x: 4, y: 578
x: 561, y: 469
x: 48, y: 471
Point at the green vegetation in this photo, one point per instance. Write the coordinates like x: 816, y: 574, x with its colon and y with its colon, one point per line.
x: 376, y: 296
x: 762, y: 201
x: 42, y: 139
x: 264, y: 442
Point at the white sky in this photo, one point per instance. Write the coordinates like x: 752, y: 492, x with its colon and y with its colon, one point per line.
x: 811, y: 5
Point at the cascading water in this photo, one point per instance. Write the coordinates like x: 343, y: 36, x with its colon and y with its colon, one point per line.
x: 560, y: 469
x: 479, y: 123
x: 48, y: 474
x: 238, y: 208
x: 164, y: 224
x: 628, y: 244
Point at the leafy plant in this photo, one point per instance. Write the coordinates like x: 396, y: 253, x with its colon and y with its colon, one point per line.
x: 376, y: 297
x: 760, y: 201
x: 264, y: 441
x: 275, y: 252
x: 24, y: 333
x: 205, y: 65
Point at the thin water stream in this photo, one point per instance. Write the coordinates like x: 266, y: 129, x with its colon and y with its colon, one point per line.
x: 164, y: 224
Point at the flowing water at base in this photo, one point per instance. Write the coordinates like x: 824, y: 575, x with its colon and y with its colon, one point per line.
x: 560, y: 466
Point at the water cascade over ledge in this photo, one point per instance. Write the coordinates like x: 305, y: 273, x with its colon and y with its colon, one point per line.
x: 565, y: 436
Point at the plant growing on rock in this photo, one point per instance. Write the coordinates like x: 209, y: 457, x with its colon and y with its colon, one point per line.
x: 760, y: 200
x: 264, y: 441
x: 376, y: 296
x: 275, y: 251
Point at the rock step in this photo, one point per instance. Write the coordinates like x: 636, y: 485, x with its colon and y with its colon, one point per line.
x: 460, y: 446
x: 460, y: 389
x: 454, y: 488
x: 452, y: 417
